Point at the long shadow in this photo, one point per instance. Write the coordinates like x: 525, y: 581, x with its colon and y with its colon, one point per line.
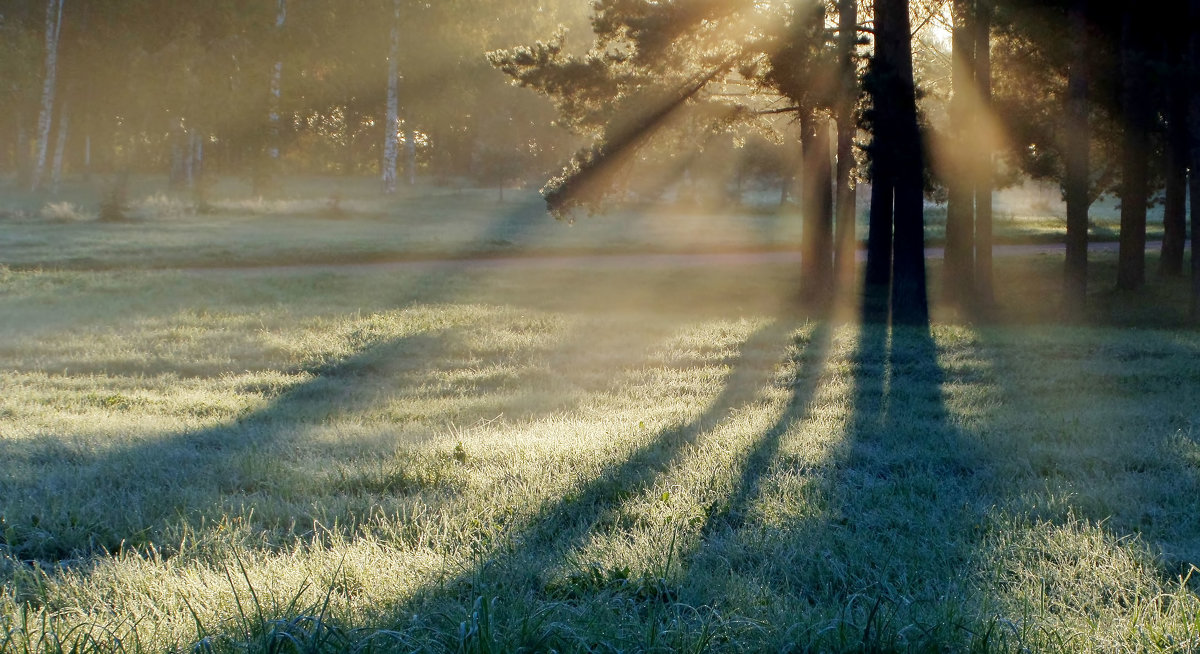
x: 889, y: 518
x: 904, y: 500
x: 561, y: 526
x: 808, y: 365
x: 167, y: 477
x: 438, y: 279
x: 58, y: 491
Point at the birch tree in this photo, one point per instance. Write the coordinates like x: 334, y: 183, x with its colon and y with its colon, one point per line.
x: 54, y: 13
x: 60, y: 145
x: 276, y: 86
x: 391, y: 123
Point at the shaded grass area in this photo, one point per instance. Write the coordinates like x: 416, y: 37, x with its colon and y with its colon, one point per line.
x: 584, y: 460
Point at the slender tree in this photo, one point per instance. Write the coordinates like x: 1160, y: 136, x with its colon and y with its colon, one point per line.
x: 391, y: 122
x: 276, y: 91
x: 817, y: 258
x: 846, y: 202
x: 1076, y: 184
x: 54, y: 17
x: 958, y: 279
x: 1137, y: 112
x: 1176, y: 164
x: 1194, y: 125
x: 984, y: 283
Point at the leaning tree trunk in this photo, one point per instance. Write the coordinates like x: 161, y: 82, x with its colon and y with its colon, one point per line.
x: 1131, y: 258
x: 984, y: 285
x: 54, y: 13
x: 1076, y: 182
x: 846, y: 125
x: 959, y: 268
x: 391, y: 123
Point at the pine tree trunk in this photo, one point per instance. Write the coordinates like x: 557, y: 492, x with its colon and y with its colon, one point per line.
x: 959, y: 268
x: 1077, y: 164
x: 60, y: 146
x: 1131, y: 259
x: 391, y: 122
x: 54, y: 12
x: 909, y: 300
x: 846, y: 126
x: 984, y: 285
x: 817, y: 256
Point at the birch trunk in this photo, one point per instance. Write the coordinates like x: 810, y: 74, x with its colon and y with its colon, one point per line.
x: 54, y: 11
x: 276, y: 87
x: 410, y: 155
x: 391, y: 124
x: 60, y: 146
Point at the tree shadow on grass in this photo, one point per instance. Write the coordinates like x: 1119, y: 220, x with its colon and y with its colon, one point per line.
x: 559, y: 528
x: 266, y: 468
x: 878, y: 554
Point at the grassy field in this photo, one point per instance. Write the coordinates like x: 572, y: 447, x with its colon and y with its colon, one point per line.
x: 334, y: 220
x: 584, y: 459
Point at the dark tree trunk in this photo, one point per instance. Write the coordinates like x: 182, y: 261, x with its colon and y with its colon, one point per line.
x: 984, y: 292
x: 1194, y: 124
x: 817, y: 257
x: 1175, y: 206
x: 1131, y: 260
x: 1077, y: 164
x: 878, y: 276
x: 910, y: 304
x: 846, y: 201
x: 958, y: 279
